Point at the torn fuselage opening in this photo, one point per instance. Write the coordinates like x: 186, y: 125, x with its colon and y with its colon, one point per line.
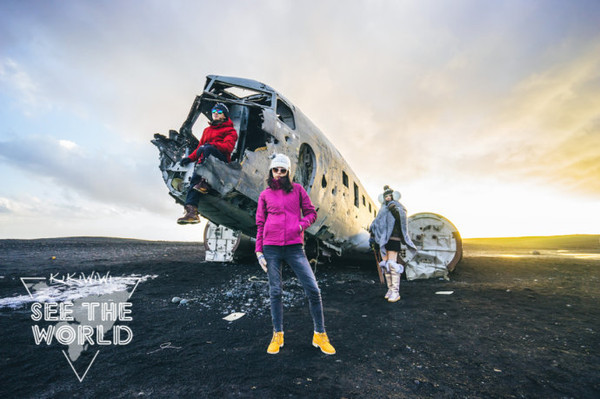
x: 247, y: 122
x: 246, y: 111
x: 305, y: 173
x: 234, y: 186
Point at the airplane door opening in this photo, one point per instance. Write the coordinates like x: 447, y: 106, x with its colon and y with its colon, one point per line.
x: 305, y: 173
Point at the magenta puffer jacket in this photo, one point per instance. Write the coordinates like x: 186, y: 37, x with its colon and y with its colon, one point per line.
x: 279, y: 217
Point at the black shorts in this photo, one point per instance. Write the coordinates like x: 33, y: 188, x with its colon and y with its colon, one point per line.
x: 393, y: 245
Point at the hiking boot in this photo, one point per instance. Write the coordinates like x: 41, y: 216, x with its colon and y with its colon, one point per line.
x: 321, y: 341
x: 202, y: 187
x: 276, y: 343
x: 191, y: 215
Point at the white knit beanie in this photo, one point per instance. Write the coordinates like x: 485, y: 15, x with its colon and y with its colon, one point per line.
x: 280, y: 161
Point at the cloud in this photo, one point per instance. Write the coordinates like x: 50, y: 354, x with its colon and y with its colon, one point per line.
x: 14, y: 79
x: 67, y: 144
x: 548, y: 129
x: 6, y: 206
x: 106, y: 178
x: 35, y: 217
x: 452, y: 93
x: 539, y: 126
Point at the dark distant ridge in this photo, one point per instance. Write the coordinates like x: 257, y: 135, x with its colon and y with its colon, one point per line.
x: 574, y: 241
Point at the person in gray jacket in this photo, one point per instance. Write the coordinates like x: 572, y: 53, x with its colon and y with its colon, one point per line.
x: 389, y: 230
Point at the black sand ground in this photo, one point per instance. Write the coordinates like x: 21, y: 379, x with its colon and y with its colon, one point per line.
x: 525, y: 327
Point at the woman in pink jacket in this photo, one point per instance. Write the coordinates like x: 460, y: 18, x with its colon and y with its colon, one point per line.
x: 284, y: 212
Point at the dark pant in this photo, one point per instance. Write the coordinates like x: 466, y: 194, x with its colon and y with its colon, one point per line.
x: 294, y: 256
x: 206, y: 150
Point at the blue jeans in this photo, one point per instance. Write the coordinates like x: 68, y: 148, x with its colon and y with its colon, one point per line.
x: 294, y: 256
x: 206, y: 150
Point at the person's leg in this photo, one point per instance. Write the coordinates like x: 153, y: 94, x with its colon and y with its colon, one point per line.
x: 193, y: 196
x: 383, y: 263
x: 391, y: 256
x: 386, y: 272
x: 204, y: 152
x: 210, y: 150
x: 388, y: 283
x: 393, y: 262
x: 296, y: 258
x: 273, y: 256
x: 191, y: 204
x: 395, y: 272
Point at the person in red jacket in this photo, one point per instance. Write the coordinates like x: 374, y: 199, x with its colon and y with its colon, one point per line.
x: 284, y: 212
x: 218, y: 140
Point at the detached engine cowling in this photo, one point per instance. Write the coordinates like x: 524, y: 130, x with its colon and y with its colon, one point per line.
x: 439, y: 247
x: 226, y: 245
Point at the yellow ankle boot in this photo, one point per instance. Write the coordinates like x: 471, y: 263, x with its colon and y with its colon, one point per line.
x: 276, y: 343
x: 320, y: 340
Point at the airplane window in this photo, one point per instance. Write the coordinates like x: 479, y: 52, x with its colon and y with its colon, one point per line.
x: 305, y: 173
x: 285, y: 114
x: 345, y: 178
x: 356, y: 202
x: 241, y: 92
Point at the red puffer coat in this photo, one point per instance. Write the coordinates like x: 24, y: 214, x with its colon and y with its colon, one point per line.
x: 223, y: 136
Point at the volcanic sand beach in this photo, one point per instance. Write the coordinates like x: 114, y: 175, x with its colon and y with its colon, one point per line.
x: 523, y: 320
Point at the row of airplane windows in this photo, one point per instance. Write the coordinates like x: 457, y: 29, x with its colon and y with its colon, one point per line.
x: 357, y: 195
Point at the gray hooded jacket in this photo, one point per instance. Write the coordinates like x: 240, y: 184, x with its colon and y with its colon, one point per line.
x: 383, y: 225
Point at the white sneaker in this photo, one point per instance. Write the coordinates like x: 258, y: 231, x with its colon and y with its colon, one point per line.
x: 388, y: 293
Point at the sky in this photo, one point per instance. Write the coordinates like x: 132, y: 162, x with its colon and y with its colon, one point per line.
x: 486, y: 112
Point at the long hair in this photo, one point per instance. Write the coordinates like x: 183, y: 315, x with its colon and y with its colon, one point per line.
x: 284, y: 182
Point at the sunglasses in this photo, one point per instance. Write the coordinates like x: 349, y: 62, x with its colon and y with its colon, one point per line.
x: 217, y: 111
x: 279, y: 170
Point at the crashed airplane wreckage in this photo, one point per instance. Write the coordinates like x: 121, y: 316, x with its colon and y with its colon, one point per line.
x: 267, y: 123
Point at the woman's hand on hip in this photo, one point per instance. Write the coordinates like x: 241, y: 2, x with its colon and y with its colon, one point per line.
x: 262, y: 261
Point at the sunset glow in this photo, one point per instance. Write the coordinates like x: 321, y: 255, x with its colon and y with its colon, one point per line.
x: 485, y: 112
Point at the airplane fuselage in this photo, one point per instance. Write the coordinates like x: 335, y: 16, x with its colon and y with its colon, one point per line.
x: 266, y: 124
